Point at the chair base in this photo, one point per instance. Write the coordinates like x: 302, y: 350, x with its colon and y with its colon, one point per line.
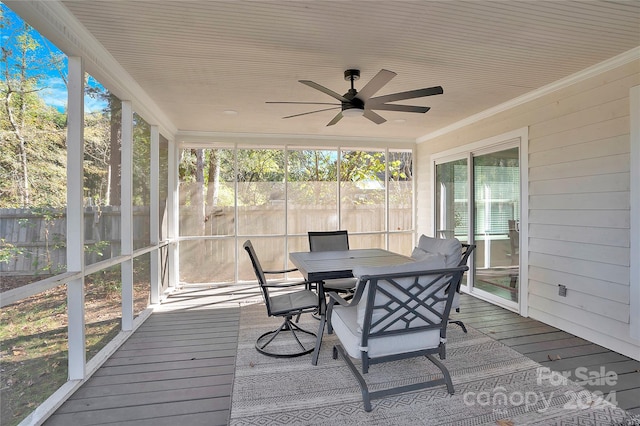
x: 460, y: 323
x: 368, y: 396
x: 288, y: 327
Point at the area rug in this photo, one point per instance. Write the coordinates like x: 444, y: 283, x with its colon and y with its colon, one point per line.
x: 494, y: 385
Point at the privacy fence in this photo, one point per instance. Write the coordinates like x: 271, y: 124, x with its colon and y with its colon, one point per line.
x: 33, y: 241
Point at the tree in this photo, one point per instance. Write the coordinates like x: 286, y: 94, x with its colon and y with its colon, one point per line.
x: 114, y: 195
x: 112, y: 113
x: 32, y: 132
x: 97, y: 154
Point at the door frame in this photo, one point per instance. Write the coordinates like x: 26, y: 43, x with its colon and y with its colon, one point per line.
x: 519, y: 137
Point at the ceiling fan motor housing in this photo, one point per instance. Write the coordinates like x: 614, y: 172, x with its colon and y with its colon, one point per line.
x: 354, y: 103
x: 352, y: 75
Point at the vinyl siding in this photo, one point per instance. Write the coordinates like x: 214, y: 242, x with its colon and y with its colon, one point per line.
x: 579, y: 202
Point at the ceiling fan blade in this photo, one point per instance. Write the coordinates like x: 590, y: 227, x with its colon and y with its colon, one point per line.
x: 310, y: 112
x: 419, y: 93
x: 337, y: 118
x: 375, y: 84
x: 401, y: 108
x: 324, y: 90
x: 373, y: 116
x: 302, y: 103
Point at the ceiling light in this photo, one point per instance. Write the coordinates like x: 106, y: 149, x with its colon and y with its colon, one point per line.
x: 230, y: 112
x: 353, y: 112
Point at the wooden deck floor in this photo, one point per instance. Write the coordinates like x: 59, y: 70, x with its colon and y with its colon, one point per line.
x: 177, y: 368
x: 560, y: 351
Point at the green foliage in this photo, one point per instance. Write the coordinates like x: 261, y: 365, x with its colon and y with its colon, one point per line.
x: 141, y: 162
x: 97, y: 248
x: 8, y: 251
x: 33, y: 134
x: 311, y: 175
x: 362, y: 166
x: 312, y: 166
x: 97, y: 154
x: 32, y: 149
x: 41, y: 259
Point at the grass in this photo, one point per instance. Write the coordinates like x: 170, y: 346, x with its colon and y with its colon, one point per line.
x: 33, y: 340
x: 33, y: 361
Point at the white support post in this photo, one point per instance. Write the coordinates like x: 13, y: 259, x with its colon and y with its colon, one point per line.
x: 154, y: 215
x: 634, y: 213
x: 172, y: 215
x: 126, y: 211
x: 387, y: 234
x: 75, y: 218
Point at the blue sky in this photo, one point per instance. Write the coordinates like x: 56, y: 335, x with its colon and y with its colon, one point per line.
x: 54, y: 91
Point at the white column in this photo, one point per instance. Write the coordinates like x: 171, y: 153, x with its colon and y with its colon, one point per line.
x: 75, y: 218
x: 634, y: 212
x: 387, y: 203
x: 126, y: 226
x: 154, y: 215
x: 172, y: 214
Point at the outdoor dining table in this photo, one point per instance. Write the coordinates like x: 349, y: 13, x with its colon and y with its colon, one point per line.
x: 317, y: 266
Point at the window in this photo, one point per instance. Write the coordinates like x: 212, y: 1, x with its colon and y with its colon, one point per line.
x: 274, y: 195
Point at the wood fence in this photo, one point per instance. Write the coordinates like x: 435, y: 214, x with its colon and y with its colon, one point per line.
x: 33, y: 241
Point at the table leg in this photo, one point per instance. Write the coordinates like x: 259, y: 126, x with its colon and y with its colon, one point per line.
x: 316, y: 351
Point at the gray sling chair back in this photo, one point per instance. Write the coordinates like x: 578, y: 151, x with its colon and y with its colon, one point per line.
x: 285, y: 305
x: 396, y: 313
x: 332, y: 241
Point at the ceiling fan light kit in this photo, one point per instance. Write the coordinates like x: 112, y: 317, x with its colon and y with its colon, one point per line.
x: 353, y: 112
x: 356, y: 104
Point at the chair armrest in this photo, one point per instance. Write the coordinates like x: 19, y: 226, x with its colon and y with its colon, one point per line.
x: 285, y: 285
x: 280, y: 272
x: 335, y: 298
x: 355, y: 299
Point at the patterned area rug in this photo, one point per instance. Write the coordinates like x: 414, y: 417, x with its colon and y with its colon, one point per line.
x: 494, y: 385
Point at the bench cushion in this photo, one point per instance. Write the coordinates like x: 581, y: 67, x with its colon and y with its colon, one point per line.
x: 451, y: 248
x: 345, y: 326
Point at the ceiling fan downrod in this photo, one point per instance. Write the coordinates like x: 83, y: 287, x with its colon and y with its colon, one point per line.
x: 355, y: 106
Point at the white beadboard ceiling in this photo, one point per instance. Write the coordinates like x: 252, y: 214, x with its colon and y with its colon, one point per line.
x: 197, y: 59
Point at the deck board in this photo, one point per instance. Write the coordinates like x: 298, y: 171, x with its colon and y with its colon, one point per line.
x: 217, y: 409
x: 555, y: 349
x: 177, y: 368
x: 570, y: 352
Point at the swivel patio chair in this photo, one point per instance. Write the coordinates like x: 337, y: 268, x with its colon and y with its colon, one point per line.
x: 332, y: 241
x: 396, y: 313
x: 286, y: 305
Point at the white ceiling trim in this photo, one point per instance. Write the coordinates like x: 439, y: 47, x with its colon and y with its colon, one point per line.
x: 54, y: 22
x: 192, y: 138
x: 609, y: 64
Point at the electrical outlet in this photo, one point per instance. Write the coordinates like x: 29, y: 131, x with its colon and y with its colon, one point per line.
x: 562, y: 290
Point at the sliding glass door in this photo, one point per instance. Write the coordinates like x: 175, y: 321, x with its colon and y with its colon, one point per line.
x: 496, y: 183
x: 477, y: 200
x: 452, y: 201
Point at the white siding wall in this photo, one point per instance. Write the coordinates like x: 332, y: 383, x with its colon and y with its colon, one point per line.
x: 579, y: 202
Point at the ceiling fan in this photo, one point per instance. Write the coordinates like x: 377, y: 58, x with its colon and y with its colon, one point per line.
x: 354, y: 103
